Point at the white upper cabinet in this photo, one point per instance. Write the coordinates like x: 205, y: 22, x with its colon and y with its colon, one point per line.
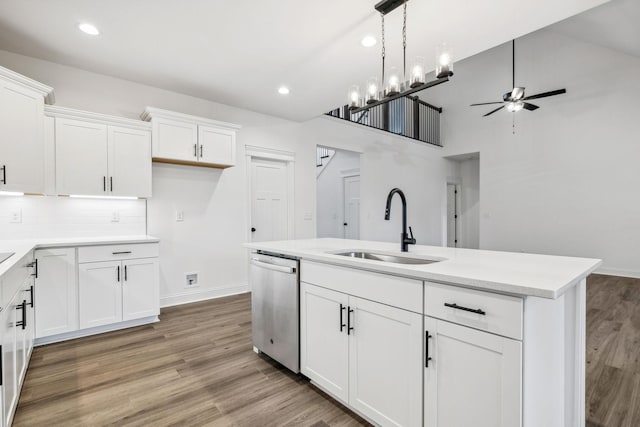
x: 101, y: 155
x: 190, y: 140
x: 22, y: 132
x: 129, y: 162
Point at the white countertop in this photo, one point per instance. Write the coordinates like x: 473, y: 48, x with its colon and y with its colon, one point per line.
x: 22, y: 247
x: 506, y: 272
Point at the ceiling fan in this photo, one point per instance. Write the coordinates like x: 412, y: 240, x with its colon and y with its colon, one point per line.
x: 515, y: 100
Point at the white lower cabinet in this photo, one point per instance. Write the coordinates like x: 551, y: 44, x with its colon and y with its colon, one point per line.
x: 100, y: 293
x: 366, y: 354
x: 9, y: 369
x: 118, y: 290
x: 56, y: 292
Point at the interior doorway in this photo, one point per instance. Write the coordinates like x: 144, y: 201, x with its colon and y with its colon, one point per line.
x: 337, y: 193
x: 463, y: 202
x: 270, y: 196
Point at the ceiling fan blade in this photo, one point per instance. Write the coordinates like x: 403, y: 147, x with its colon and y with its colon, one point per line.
x: 545, y: 94
x: 486, y: 103
x: 517, y: 93
x: 491, y: 112
x: 529, y: 107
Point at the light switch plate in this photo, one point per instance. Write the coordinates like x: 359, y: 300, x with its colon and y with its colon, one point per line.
x: 308, y: 216
x: 115, y: 216
x: 179, y: 216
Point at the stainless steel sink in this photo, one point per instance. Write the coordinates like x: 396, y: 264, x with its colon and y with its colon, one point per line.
x: 387, y: 258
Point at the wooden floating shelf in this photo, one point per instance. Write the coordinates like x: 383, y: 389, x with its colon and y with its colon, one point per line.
x: 189, y: 163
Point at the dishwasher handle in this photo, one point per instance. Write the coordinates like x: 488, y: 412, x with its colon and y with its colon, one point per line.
x: 280, y: 268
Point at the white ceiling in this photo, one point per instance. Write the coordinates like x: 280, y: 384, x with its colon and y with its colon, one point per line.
x: 239, y: 52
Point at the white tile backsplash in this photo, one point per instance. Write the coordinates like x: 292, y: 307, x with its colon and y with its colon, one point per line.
x: 45, y: 217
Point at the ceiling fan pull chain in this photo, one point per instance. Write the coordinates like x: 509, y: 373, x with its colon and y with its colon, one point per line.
x: 383, y: 49
x: 404, y: 43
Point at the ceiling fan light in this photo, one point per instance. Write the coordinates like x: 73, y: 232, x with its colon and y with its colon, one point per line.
x: 515, y: 106
x: 444, y: 61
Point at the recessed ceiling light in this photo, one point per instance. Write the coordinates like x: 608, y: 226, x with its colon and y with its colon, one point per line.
x: 89, y: 29
x: 283, y: 90
x: 368, y: 41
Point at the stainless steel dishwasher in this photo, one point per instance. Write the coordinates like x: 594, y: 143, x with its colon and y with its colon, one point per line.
x: 275, y: 311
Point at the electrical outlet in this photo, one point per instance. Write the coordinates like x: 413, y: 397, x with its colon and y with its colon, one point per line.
x: 15, y: 216
x: 179, y: 216
x: 115, y: 216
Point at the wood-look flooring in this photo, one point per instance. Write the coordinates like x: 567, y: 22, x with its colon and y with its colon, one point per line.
x: 196, y: 367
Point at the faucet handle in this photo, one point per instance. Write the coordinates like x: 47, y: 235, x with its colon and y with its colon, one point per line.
x: 412, y: 240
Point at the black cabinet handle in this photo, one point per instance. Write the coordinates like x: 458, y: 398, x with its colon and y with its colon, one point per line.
x: 120, y: 253
x: 195, y: 150
x: 104, y: 183
x: 349, y: 327
x: 31, y: 294
x: 345, y: 224
x: 459, y: 307
x: 342, y: 325
x: 1, y: 371
x: 253, y: 229
x: 4, y: 174
x: 111, y: 183
x: 35, y: 264
x: 23, y: 307
x: 200, y: 150
x: 118, y: 273
x: 125, y: 273
x: 426, y: 349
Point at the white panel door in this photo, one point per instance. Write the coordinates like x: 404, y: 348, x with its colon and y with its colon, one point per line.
x: 100, y: 293
x: 56, y: 292
x: 217, y: 146
x: 174, y: 139
x: 129, y: 162
x: 352, y: 207
x: 324, y: 343
x: 9, y: 370
x: 140, y: 288
x: 81, y: 158
x: 269, y: 206
x: 473, y: 378
x: 385, y: 363
x: 22, y: 139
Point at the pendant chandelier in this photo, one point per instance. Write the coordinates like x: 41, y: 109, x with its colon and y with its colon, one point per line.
x: 395, y: 84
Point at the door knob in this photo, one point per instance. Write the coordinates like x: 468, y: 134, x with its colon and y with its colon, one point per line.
x: 345, y: 224
x: 253, y: 229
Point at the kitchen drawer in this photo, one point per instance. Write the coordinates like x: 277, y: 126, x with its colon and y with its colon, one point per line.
x: 117, y: 252
x: 391, y: 290
x: 502, y: 314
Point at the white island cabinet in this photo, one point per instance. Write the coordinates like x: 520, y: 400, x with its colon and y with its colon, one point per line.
x: 465, y: 337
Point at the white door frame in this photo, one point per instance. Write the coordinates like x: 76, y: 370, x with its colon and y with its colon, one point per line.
x: 457, y: 182
x: 272, y: 154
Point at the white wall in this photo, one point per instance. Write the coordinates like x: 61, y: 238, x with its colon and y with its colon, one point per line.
x: 566, y: 182
x: 215, y: 202
x: 330, y: 193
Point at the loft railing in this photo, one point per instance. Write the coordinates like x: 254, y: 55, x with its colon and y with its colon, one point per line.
x: 407, y: 116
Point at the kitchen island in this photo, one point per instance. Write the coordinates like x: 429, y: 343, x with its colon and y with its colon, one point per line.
x: 443, y: 336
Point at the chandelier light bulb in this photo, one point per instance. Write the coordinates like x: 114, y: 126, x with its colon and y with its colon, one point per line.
x: 444, y: 61
x: 372, y: 90
x: 393, y: 82
x: 354, y: 97
x: 417, y: 72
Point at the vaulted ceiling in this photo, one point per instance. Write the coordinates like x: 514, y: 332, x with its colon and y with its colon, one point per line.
x: 239, y: 52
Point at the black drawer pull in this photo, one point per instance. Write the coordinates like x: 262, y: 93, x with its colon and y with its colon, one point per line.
x: 4, y: 174
x: 342, y: 325
x: 470, y: 310
x: 349, y: 327
x: 121, y: 252
x: 427, y: 358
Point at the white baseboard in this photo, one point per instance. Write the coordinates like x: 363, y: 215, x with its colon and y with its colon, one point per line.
x: 94, y: 331
x: 202, y: 295
x: 618, y: 272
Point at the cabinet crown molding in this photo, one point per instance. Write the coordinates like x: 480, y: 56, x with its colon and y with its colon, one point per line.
x: 46, y: 91
x: 70, y: 113
x: 152, y: 112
